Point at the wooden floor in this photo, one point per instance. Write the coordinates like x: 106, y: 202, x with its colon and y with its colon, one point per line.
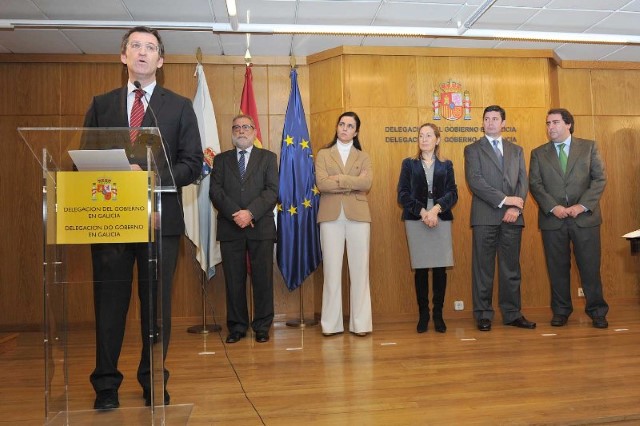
x: 548, y: 376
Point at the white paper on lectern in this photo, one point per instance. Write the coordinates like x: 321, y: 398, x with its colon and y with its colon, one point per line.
x: 100, y: 159
x: 634, y: 234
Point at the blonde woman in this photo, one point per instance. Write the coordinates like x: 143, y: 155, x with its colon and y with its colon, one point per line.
x: 427, y: 191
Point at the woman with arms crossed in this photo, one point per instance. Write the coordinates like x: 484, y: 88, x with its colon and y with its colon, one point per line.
x: 343, y: 175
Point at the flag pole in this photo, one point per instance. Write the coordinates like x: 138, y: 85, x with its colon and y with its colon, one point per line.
x: 204, y: 328
x: 301, y: 322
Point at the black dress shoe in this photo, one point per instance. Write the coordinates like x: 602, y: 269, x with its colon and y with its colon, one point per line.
x: 147, y: 397
x: 439, y: 324
x: 484, y: 324
x: 106, y: 400
x: 262, y: 336
x: 600, y: 322
x: 523, y: 323
x: 235, y: 336
x: 559, y: 320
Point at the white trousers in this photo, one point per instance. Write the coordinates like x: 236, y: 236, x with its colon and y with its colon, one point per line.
x: 333, y: 236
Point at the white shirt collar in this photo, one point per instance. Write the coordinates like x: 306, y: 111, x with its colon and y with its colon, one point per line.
x: 147, y: 89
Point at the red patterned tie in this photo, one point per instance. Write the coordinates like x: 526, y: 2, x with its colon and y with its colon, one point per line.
x: 137, y: 114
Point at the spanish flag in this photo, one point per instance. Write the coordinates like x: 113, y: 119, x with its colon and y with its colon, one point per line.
x: 248, y: 104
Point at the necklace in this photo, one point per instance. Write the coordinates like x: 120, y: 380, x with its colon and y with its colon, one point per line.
x: 429, y: 161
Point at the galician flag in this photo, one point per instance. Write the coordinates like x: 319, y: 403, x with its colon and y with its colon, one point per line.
x: 199, y: 214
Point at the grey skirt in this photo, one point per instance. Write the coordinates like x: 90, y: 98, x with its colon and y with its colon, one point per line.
x: 429, y: 247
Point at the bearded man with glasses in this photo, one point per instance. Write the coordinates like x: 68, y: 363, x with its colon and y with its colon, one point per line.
x: 244, y: 190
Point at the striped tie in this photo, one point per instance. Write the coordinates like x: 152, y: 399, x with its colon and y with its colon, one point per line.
x: 137, y: 114
x: 241, y: 164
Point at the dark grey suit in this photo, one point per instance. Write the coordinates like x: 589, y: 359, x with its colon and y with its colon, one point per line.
x: 258, y: 193
x: 490, y: 183
x: 113, y: 263
x: 583, y: 183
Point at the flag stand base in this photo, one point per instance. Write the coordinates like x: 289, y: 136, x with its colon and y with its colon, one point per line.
x: 301, y: 323
x: 204, y: 329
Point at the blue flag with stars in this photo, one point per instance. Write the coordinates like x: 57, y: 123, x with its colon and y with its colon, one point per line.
x: 298, y: 249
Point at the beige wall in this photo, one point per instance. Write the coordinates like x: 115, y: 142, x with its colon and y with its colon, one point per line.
x: 385, y: 87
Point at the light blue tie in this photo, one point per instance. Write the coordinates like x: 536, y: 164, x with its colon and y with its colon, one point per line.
x: 241, y: 164
x: 497, y: 151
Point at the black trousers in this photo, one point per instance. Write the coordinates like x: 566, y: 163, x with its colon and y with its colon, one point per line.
x: 234, y: 262
x: 113, y: 276
x: 586, y: 248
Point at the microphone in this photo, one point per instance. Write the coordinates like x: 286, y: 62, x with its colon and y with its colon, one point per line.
x: 146, y: 99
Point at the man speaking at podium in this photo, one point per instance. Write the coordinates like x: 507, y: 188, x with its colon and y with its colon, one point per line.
x: 141, y: 103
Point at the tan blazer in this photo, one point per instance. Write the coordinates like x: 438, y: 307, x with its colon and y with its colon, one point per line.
x: 349, y: 191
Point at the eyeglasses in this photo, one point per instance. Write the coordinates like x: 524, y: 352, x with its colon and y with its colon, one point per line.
x: 148, y: 47
x: 245, y: 127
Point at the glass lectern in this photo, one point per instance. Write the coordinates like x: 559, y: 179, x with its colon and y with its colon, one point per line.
x: 91, y: 196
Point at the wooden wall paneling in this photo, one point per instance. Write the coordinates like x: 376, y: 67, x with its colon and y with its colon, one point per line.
x: 326, y: 85
x: 380, y: 81
x: 554, y: 86
x: 515, y: 82
x: 575, y: 91
x: 615, y: 92
x: 619, y: 144
x: 80, y: 82
x: 180, y: 78
x: 584, y: 126
x: 30, y: 89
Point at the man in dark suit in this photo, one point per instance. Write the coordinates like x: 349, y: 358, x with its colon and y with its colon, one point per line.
x: 142, y: 52
x: 567, y: 178
x: 496, y: 175
x: 244, y: 190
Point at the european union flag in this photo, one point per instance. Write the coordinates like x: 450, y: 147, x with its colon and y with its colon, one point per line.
x: 298, y: 250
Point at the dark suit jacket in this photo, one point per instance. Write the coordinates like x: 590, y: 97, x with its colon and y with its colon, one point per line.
x: 413, y: 189
x: 181, y: 138
x: 490, y: 184
x: 583, y: 183
x: 258, y: 193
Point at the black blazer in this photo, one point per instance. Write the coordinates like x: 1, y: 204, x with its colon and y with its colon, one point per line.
x: 181, y: 137
x: 413, y: 188
x: 258, y: 193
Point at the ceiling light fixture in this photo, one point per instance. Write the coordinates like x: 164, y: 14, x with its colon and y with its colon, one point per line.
x: 232, y: 11
x: 481, y: 10
x: 329, y: 30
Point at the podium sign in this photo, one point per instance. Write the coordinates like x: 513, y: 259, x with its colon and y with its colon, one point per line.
x: 102, y: 207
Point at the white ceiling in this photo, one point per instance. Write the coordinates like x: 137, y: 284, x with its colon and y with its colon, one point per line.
x: 31, y: 34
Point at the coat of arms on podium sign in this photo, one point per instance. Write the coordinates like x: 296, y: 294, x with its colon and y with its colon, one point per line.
x: 450, y: 102
x: 104, y: 187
